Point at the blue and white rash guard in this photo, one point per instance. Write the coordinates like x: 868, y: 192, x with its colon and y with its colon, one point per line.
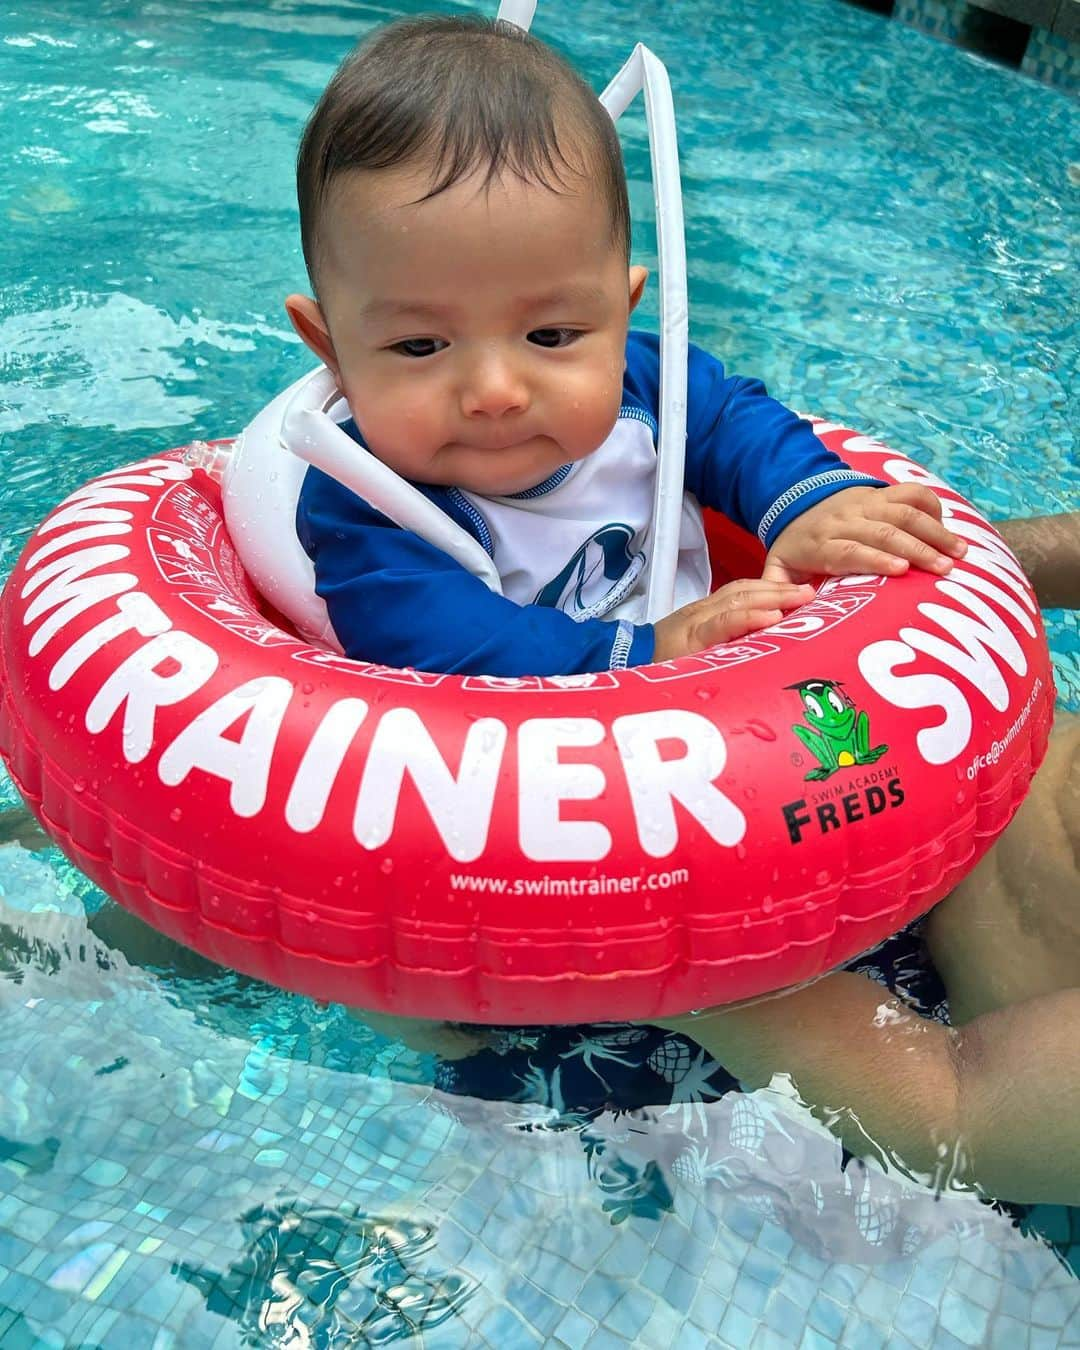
x: 572, y: 551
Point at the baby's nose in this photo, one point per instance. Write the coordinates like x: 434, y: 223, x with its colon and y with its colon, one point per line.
x: 493, y: 388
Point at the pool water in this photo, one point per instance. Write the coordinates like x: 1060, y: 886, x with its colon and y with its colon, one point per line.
x: 880, y: 226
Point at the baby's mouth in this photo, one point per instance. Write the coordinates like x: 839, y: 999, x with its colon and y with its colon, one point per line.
x: 494, y: 447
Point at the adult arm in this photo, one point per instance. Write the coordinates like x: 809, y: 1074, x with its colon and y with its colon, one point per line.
x: 1049, y: 551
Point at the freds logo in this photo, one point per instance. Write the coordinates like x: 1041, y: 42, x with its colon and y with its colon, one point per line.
x: 838, y: 737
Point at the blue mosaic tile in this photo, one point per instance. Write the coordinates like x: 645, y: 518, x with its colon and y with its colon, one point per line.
x: 765, y: 1338
x: 720, y: 1278
x: 776, y: 1241
x: 598, y: 1294
x: 708, y: 1308
x: 813, y: 1267
x: 865, y: 1336
x: 785, y: 1318
x: 737, y: 1326
x: 538, y: 1308
x: 680, y: 1289
x: 664, y: 1327
x: 800, y: 1288
x: 763, y: 1266
x: 693, y: 1338
x: 626, y: 1257
x: 1053, y: 59
x: 940, y: 18
x: 963, y: 1319
x: 1006, y: 1333
x: 827, y: 1317
x: 1041, y: 1338
x: 745, y: 1223
x: 629, y: 1314
x: 916, y: 1320
x: 574, y: 1330
x: 750, y: 1294
x: 896, y: 1273
x: 1054, y: 1307
x: 657, y: 1272
x: 813, y: 1339
x: 503, y: 1327
x: 879, y: 1300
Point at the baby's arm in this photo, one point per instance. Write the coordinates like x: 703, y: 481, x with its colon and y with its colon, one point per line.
x: 881, y: 530
x: 995, y: 1104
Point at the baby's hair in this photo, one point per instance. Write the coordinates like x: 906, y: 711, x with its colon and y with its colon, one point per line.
x: 465, y: 95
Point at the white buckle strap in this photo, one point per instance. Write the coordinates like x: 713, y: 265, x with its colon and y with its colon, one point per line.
x: 307, y: 430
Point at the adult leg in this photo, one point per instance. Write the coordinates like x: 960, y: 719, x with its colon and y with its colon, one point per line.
x: 1011, y: 929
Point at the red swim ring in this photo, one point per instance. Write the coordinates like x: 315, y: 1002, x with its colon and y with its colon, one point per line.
x: 604, y: 847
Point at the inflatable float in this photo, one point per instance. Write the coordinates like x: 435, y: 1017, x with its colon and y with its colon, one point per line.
x: 624, y: 845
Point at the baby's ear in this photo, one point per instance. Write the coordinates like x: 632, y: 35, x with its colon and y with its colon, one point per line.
x: 638, y: 278
x: 307, y: 318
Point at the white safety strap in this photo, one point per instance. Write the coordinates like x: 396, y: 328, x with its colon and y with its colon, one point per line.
x: 518, y: 12
x: 308, y: 431
x: 645, y: 71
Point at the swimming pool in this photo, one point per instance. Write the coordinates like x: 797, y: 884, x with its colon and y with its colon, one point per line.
x: 188, y: 1159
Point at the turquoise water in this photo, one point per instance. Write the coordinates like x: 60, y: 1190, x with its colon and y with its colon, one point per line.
x: 880, y: 227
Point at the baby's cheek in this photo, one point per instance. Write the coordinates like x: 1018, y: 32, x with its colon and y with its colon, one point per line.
x: 592, y: 409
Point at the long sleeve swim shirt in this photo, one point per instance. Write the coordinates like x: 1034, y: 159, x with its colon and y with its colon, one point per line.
x: 571, y: 552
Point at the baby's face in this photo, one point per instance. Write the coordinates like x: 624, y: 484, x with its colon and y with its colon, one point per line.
x: 479, y: 335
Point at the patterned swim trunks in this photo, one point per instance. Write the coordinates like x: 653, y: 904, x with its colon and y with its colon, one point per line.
x: 581, y: 1071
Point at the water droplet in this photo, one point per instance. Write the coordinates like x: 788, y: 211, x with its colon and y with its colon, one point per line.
x: 750, y: 793
x: 821, y: 878
x: 175, y: 814
x: 307, y: 687
x: 760, y: 730
x: 386, y: 866
x: 768, y: 904
x: 746, y: 920
x: 79, y: 785
x: 740, y: 851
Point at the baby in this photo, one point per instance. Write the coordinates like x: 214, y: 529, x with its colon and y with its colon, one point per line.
x: 466, y: 228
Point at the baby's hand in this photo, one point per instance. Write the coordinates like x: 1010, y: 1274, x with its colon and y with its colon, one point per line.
x: 865, y: 529
x: 734, y: 610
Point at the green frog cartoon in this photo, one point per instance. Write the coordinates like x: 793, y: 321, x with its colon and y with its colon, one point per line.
x: 840, y: 737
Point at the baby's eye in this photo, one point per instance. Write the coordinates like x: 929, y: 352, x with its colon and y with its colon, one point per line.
x: 553, y: 337
x: 417, y: 347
